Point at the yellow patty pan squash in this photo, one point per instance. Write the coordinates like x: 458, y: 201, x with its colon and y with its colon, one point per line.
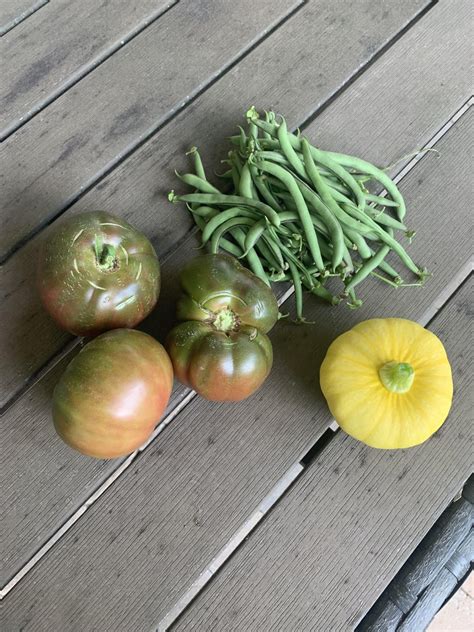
x: 388, y: 382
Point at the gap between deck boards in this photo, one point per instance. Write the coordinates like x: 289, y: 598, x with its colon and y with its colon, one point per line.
x: 295, y: 470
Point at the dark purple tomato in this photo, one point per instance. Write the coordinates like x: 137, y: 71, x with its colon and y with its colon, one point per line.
x: 220, y: 365
x: 96, y: 272
x: 113, y: 393
x: 222, y: 350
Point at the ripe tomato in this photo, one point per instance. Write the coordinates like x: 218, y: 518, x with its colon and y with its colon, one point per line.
x: 113, y: 393
x: 96, y: 272
x: 222, y: 350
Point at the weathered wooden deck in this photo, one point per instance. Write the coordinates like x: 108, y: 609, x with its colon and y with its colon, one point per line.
x: 99, y: 101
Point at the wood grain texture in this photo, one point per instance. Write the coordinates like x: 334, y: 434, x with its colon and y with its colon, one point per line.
x: 326, y: 552
x: 12, y: 12
x: 311, y: 74
x: 83, y: 133
x: 62, y: 45
x: 28, y: 524
x: 173, y: 510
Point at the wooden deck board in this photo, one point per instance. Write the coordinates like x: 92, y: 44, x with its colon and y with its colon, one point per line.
x: 49, y: 161
x: 62, y: 45
x: 12, y: 12
x: 179, y: 503
x: 137, y: 189
x: 326, y: 552
x: 30, y: 521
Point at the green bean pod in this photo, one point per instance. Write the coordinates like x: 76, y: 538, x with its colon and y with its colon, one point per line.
x: 302, y: 209
x: 226, y: 200
x: 377, y: 174
x: 222, y: 217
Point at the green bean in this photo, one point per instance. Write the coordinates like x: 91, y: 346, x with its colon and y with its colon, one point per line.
x: 387, y: 268
x: 358, y: 240
x: 236, y: 161
x: 276, y: 251
x: 355, y: 302
x: 368, y: 266
x: 387, y: 238
x: 288, y: 151
x: 227, y: 175
x: 222, y: 217
x: 328, y: 204
x: 319, y: 290
x: 386, y: 220
x: 389, y: 281
x: 381, y: 200
x: 376, y: 173
x: 273, y: 156
x: 242, y: 139
x: 291, y: 216
x: 227, y: 200
x: 227, y: 245
x: 263, y: 189
x: 195, y: 181
x: 314, y: 200
x: 267, y: 255
x: 348, y: 264
x: 302, y: 209
x: 235, y: 176
x: 252, y: 258
x: 253, y: 235
x: 238, y: 234
x: 198, y: 166
x: 324, y: 158
x: 246, y: 185
x: 298, y: 291
x: 269, y: 117
x: 202, y: 211
x: 289, y: 256
x: 223, y: 228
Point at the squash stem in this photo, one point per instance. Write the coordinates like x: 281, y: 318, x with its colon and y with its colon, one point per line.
x: 397, y: 377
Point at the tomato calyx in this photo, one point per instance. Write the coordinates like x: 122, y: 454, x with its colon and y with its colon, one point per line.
x: 105, y: 255
x: 226, y: 320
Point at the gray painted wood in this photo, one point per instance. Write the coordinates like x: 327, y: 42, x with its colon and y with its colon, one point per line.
x: 137, y: 189
x: 169, y: 514
x: 27, y: 531
x: 328, y: 549
x: 12, y: 12
x: 62, y: 45
x: 84, y: 132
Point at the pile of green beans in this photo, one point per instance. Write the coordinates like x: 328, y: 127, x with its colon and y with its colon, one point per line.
x: 298, y: 214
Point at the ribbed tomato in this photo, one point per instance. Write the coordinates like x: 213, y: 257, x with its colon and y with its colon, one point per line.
x: 222, y: 350
x: 96, y: 272
x: 113, y: 393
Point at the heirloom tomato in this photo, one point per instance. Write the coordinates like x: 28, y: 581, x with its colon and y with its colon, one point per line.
x: 222, y: 350
x: 96, y: 272
x: 113, y: 393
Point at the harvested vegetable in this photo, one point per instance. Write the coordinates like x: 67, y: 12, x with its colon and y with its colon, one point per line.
x: 388, y: 382
x: 113, y: 393
x: 300, y: 214
x: 221, y: 350
x: 96, y: 272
